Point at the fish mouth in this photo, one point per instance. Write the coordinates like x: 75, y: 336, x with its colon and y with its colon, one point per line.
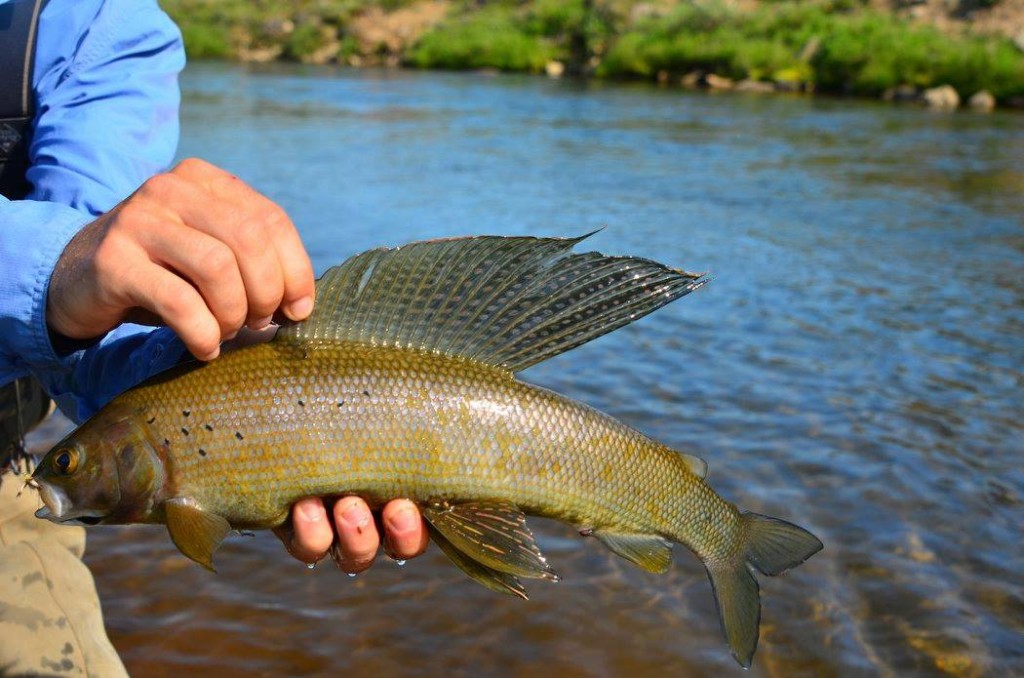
x: 57, y: 509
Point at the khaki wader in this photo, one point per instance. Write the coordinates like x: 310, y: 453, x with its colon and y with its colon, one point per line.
x: 50, y: 618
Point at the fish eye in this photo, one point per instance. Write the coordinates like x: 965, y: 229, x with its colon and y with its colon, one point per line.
x: 66, y: 462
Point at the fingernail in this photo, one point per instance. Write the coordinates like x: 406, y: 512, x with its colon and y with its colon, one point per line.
x: 405, y: 520
x: 299, y: 310
x: 210, y: 356
x: 261, y: 323
x: 356, y: 517
x: 311, y: 512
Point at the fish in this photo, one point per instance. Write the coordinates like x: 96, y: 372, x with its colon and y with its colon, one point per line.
x: 402, y: 384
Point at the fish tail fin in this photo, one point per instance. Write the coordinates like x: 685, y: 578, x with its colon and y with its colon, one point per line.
x: 771, y: 546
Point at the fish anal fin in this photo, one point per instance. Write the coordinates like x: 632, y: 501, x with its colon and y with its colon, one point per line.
x: 493, y: 534
x: 500, y: 582
x: 650, y: 552
x: 197, y: 533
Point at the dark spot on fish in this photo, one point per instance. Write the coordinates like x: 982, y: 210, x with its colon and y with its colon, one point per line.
x: 202, y: 452
x: 151, y: 420
x: 186, y: 413
x: 341, y: 403
x: 184, y: 431
x: 366, y: 393
x: 167, y: 443
x: 302, y: 404
x: 67, y: 649
x: 239, y: 435
x: 208, y: 427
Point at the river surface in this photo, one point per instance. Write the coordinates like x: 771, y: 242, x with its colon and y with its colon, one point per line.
x: 855, y: 367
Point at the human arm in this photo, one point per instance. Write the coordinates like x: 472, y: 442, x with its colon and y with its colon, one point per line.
x: 106, y: 87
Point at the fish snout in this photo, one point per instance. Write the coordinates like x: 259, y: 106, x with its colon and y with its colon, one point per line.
x: 55, y: 502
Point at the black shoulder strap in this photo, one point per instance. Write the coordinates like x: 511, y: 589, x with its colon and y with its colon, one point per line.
x: 19, y: 20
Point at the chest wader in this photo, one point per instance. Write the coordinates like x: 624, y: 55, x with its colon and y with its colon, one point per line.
x: 23, y: 403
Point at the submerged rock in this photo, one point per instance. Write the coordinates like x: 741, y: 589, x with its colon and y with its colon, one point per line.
x: 692, y: 80
x: 982, y: 101
x: 718, y: 81
x: 757, y: 86
x: 943, y: 98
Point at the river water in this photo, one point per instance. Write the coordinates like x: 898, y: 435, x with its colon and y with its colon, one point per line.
x: 855, y: 367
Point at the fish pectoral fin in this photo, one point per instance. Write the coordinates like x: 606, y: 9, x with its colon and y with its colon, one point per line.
x: 500, y: 582
x: 493, y: 534
x: 196, y: 533
x: 648, y: 551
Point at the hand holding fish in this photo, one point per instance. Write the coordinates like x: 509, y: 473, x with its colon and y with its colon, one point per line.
x: 309, y: 537
x: 194, y: 248
x: 199, y: 250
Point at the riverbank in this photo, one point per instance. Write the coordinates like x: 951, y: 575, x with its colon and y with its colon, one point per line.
x: 935, y: 52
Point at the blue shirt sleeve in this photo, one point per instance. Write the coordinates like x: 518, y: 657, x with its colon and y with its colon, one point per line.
x: 107, y: 101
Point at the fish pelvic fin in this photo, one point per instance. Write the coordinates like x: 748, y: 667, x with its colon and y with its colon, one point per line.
x: 506, y: 302
x: 197, y: 533
x: 494, y: 534
x: 772, y: 546
x: 495, y: 580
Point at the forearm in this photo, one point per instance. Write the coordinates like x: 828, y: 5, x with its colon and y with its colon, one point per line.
x: 107, y: 98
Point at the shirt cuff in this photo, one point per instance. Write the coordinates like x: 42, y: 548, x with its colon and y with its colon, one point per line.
x: 33, y: 237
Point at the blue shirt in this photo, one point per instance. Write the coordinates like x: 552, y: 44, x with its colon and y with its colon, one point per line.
x: 106, y: 89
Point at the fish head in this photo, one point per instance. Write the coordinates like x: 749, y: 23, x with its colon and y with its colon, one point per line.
x: 107, y: 471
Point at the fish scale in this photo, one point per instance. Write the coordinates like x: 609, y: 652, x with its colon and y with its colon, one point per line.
x: 401, y: 384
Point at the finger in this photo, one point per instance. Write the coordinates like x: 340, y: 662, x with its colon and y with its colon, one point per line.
x: 405, y: 533
x: 207, y: 263
x: 358, y: 539
x: 238, y: 224
x: 179, y: 305
x: 307, y: 536
x: 272, y: 223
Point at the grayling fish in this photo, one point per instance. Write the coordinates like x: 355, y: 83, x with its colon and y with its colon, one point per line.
x: 401, y: 384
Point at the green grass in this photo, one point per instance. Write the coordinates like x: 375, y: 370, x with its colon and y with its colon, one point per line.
x: 490, y: 38
x: 860, y: 51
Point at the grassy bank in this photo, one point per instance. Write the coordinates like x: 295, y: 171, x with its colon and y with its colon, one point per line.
x: 837, y: 46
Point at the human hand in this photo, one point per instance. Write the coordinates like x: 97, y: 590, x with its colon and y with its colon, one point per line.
x: 194, y: 248
x: 309, y: 534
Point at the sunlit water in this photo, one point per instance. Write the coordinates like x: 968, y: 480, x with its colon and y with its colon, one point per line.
x: 855, y: 367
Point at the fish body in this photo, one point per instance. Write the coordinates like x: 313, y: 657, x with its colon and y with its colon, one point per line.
x: 403, y: 385
x: 385, y: 424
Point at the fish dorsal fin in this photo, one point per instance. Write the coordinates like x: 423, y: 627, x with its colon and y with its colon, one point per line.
x: 508, y: 302
x: 494, y: 534
x: 197, y: 533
